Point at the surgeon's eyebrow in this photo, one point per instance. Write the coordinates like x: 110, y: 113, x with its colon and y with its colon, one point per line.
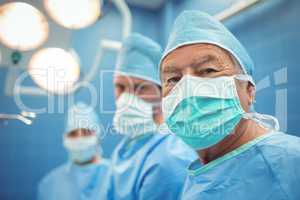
x: 170, y: 69
x: 200, y: 61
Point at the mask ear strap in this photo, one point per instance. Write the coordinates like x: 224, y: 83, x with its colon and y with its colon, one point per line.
x: 245, y: 77
x: 264, y: 120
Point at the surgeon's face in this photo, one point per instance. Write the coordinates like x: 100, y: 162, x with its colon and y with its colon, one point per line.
x: 80, y: 133
x: 146, y: 90
x: 203, y: 60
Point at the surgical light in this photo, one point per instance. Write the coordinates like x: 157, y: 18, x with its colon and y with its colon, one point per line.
x: 73, y: 14
x: 55, y: 70
x: 22, y: 26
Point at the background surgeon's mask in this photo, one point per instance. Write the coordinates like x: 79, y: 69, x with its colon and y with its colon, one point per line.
x: 134, y: 116
x: 203, y: 111
x: 82, y: 149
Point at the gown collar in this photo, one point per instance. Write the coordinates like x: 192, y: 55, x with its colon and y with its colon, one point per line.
x: 196, y: 168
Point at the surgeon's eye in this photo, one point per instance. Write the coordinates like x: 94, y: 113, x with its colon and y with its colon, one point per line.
x: 119, y: 87
x: 207, y: 71
x: 173, y: 80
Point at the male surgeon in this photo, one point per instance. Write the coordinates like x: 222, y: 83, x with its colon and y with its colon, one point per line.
x: 147, y: 165
x: 208, y: 93
x: 85, y: 175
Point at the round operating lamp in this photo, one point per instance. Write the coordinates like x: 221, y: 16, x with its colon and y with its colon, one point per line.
x: 73, y: 14
x: 22, y: 26
x: 55, y: 70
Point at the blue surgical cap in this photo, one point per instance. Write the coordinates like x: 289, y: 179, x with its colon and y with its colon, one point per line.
x: 139, y: 58
x: 194, y: 27
x: 80, y: 115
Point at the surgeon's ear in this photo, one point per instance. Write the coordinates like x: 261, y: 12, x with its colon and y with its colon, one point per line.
x: 251, y: 93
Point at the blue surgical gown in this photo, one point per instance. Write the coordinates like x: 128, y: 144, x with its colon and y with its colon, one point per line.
x: 74, y: 182
x: 153, y: 166
x: 267, y: 168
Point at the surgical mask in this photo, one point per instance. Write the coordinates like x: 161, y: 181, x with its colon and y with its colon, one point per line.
x: 203, y: 111
x: 82, y: 149
x: 134, y: 116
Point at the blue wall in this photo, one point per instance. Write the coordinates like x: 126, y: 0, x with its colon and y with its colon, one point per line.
x: 270, y: 31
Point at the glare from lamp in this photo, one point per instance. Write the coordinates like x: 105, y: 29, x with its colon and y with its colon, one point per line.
x: 55, y: 70
x: 22, y: 26
x: 73, y: 14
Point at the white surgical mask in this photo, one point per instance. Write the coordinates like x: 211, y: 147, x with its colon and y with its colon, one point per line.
x: 82, y: 149
x: 134, y: 116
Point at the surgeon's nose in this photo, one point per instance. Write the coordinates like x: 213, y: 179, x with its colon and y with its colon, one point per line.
x: 129, y: 90
x: 190, y: 71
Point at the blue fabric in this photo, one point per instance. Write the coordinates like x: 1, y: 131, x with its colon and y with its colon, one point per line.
x: 139, y: 58
x: 151, y: 167
x: 81, y: 115
x: 194, y: 27
x: 267, y: 170
x: 73, y: 182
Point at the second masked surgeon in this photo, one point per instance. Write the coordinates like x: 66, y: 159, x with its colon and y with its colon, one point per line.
x: 146, y: 164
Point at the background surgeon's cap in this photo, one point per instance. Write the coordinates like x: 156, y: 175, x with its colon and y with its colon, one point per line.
x: 139, y: 58
x: 80, y: 115
x: 194, y: 27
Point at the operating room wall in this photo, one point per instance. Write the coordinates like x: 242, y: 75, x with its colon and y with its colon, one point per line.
x: 29, y: 152
x: 270, y: 32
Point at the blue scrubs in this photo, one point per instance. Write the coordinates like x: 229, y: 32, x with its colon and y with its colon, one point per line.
x: 73, y: 182
x: 263, y: 169
x: 153, y: 166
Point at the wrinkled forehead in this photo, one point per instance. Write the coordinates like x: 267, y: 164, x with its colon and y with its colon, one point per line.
x: 195, y: 54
